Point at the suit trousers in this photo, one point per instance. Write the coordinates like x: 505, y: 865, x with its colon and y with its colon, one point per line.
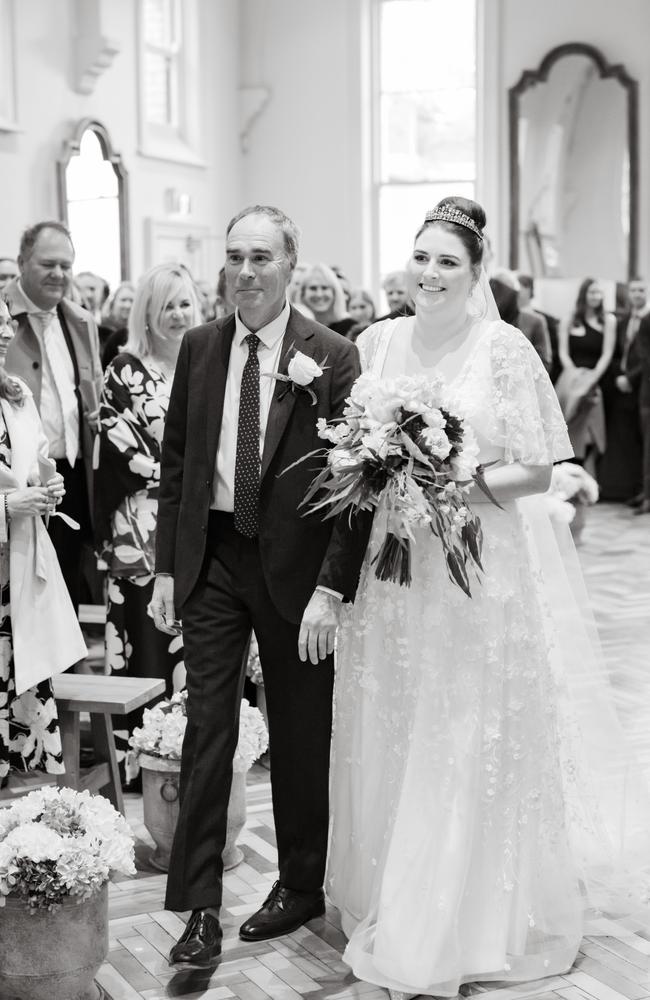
x: 67, y: 542
x: 229, y: 599
x: 644, y: 412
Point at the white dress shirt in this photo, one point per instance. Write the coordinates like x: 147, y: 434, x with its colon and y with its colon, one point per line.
x: 268, y: 352
x: 52, y: 414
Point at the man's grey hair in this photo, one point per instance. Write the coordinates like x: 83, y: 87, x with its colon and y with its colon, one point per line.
x: 30, y: 236
x: 290, y: 230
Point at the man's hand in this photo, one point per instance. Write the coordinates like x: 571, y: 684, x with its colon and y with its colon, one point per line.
x: 318, y: 627
x: 161, y: 605
x: 623, y: 383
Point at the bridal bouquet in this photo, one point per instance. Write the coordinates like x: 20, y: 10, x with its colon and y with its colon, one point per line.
x: 163, y: 729
x: 57, y: 843
x: 401, y: 450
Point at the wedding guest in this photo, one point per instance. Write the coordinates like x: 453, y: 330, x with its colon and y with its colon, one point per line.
x: 526, y: 296
x: 294, y: 291
x: 323, y: 295
x: 56, y: 352
x: 397, y: 296
x: 234, y: 552
x: 115, y: 317
x: 638, y: 374
x: 620, y: 468
x: 94, y: 292
x: 586, y: 345
x: 532, y: 325
x: 39, y: 631
x: 344, y: 281
x: 362, y: 311
x: 137, y: 385
x: 8, y: 271
x: 208, y: 298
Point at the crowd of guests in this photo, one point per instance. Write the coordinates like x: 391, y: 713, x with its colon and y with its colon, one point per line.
x: 97, y: 364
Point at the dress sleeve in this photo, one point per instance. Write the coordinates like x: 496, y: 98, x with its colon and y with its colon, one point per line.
x: 369, y: 341
x: 529, y: 425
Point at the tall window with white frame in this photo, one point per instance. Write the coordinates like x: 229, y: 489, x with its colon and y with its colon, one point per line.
x: 169, y: 92
x: 426, y: 148
x: 161, y: 30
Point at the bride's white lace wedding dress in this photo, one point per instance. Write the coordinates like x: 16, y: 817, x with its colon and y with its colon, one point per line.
x: 450, y: 858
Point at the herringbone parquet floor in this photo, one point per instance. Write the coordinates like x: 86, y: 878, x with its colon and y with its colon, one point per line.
x: 616, y: 559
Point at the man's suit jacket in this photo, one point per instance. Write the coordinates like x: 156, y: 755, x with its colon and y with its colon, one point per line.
x: 24, y: 359
x: 638, y: 362
x: 298, y: 550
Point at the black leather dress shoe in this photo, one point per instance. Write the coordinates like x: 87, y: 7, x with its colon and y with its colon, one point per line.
x: 199, y: 946
x: 283, y: 911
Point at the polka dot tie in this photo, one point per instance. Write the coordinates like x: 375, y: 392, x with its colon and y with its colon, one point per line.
x: 247, y: 462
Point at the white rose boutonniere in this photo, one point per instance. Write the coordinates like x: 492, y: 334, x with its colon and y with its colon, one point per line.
x: 301, y: 372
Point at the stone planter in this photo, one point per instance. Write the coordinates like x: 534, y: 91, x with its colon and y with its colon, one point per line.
x: 53, y: 956
x: 160, y: 789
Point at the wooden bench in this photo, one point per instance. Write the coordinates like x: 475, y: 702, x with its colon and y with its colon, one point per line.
x: 102, y: 697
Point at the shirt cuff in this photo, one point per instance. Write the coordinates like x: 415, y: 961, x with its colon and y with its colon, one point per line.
x: 332, y: 593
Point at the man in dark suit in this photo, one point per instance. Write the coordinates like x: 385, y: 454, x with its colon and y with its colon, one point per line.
x: 56, y: 352
x: 525, y: 300
x: 621, y: 389
x: 637, y: 375
x: 235, y: 551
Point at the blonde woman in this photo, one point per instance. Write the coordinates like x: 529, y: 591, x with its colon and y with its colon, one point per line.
x: 137, y: 384
x: 323, y: 294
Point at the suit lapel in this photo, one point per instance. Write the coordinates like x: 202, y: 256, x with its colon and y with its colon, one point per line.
x: 216, y: 371
x: 283, y: 401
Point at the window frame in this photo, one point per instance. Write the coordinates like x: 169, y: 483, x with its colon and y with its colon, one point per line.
x: 181, y: 142
x: 377, y: 185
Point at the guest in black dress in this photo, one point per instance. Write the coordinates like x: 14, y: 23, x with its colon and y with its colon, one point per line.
x: 586, y: 346
x: 619, y: 472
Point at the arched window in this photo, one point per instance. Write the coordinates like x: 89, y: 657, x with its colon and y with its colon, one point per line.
x: 94, y: 202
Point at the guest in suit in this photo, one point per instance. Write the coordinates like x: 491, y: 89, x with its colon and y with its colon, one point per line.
x: 56, y: 352
x: 115, y: 317
x: 94, y: 291
x: 235, y: 551
x: 637, y: 370
x: 526, y: 296
x: 620, y: 469
x: 39, y: 631
x: 531, y: 324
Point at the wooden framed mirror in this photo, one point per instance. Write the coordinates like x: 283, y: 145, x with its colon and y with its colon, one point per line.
x: 574, y: 167
x: 94, y: 203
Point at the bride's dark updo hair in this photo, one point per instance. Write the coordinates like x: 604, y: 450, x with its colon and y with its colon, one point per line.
x: 473, y: 242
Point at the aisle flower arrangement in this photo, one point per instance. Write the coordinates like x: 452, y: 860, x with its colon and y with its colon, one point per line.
x: 57, y: 843
x: 401, y: 450
x: 163, y: 729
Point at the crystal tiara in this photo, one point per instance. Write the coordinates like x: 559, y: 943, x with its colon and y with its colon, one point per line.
x: 449, y: 214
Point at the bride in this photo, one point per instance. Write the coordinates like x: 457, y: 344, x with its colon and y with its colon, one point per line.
x: 452, y: 857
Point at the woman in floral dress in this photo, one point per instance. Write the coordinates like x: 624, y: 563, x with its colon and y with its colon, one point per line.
x: 39, y: 632
x: 137, y: 384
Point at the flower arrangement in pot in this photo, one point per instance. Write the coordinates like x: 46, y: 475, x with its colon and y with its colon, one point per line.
x: 572, y: 490
x: 58, y: 849
x: 157, y: 746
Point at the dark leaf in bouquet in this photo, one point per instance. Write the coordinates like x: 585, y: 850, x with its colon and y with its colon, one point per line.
x: 472, y: 537
x: 479, y: 479
x: 456, y: 566
x: 393, y: 561
x: 413, y: 450
x: 453, y: 427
